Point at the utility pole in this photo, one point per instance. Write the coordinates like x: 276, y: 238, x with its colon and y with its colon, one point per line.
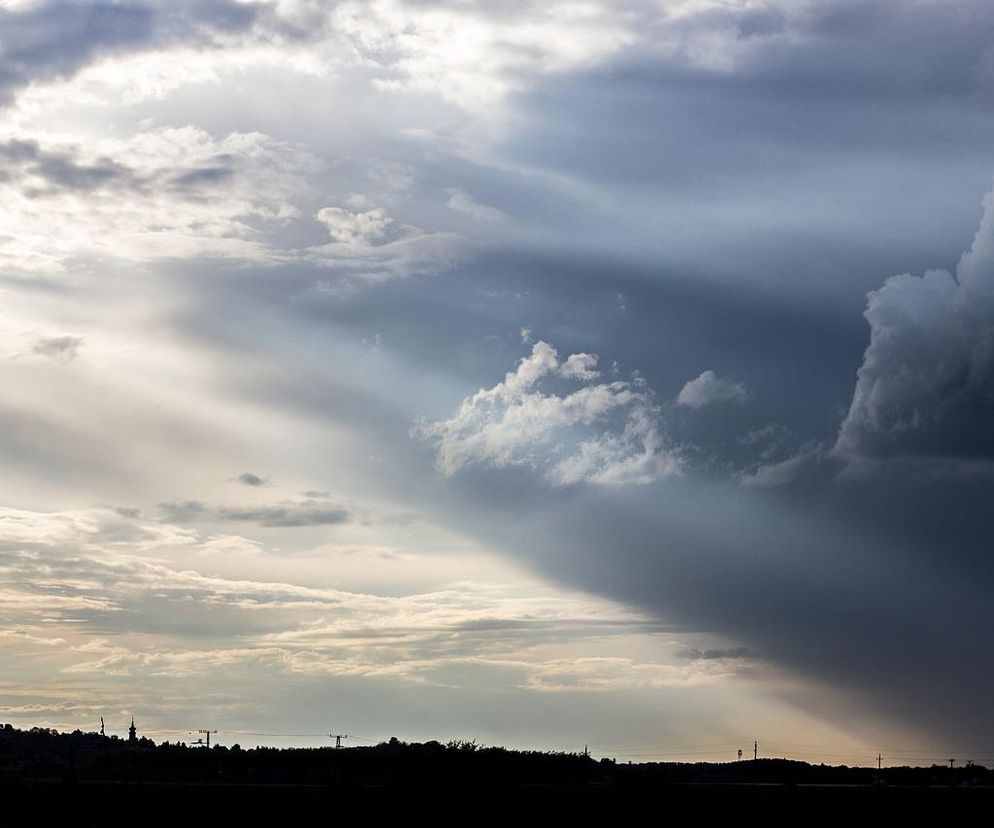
x: 338, y: 738
x: 755, y: 751
x: 952, y: 762
x: 879, y: 760
x: 207, y: 733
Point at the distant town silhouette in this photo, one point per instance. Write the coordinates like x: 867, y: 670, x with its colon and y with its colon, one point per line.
x: 80, y: 768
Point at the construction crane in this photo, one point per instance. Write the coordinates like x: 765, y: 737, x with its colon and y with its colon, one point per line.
x: 201, y: 740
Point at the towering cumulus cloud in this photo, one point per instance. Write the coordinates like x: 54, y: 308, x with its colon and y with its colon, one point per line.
x: 926, y: 386
x: 602, y: 432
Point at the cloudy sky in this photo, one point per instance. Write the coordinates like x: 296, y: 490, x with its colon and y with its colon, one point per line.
x: 608, y: 372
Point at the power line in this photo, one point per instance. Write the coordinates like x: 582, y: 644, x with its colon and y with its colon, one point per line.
x: 670, y: 753
x: 670, y: 747
x: 288, y: 735
x: 886, y: 749
x: 294, y: 735
x: 822, y: 749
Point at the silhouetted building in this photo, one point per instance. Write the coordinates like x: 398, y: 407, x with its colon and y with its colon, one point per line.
x: 132, y: 731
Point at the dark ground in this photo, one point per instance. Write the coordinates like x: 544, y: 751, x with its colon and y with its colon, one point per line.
x: 151, y: 803
x: 48, y: 778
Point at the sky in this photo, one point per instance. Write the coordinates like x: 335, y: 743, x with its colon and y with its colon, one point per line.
x: 547, y: 374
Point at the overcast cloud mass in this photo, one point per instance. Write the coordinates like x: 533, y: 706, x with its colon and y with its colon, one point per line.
x: 616, y: 373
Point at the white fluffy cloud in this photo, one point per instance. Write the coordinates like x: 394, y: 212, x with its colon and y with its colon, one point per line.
x: 601, y: 432
x: 709, y: 388
x: 355, y: 229
x: 926, y: 385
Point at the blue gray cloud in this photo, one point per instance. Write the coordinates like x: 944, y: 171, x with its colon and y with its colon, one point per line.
x: 54, y: 39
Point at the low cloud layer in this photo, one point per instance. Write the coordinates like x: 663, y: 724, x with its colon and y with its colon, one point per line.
x: 87, y: 598
x: 284, y: 514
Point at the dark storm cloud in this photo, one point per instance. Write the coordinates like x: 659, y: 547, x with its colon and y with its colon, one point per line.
x: 881, y: 583
x: 848, y: 583
x: 55, y: 39
x: 879, y: 587
x: 815, y: 580
x: 283, y: 514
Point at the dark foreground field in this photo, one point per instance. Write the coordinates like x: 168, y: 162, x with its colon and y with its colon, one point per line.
x: 155, y: 803
x: 50, y: 778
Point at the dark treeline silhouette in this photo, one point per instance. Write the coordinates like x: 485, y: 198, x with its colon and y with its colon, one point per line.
x: 81, y: 768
